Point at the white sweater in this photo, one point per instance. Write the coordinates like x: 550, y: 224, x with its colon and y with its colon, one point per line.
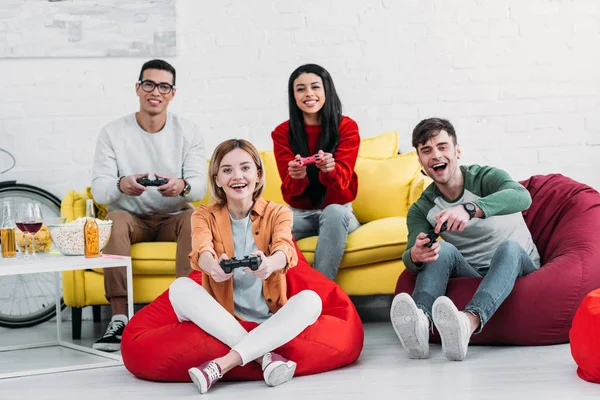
x: 124, y: 148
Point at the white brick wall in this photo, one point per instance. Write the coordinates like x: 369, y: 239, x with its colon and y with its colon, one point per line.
x: 519, y: 79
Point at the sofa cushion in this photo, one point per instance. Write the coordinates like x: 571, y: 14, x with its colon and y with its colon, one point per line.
x: 380, y: 146
x: 154, y: 251
x: 206, y: 198
x: 384, y: 186
x: 100, y: 209
x: 273, y: 180
x: 72, y: 205
x: 377, y: 241
x: 152, y: 258
x: 372, y: 279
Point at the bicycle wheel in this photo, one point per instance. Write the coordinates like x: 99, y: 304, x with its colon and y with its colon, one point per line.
x: 28, y: 300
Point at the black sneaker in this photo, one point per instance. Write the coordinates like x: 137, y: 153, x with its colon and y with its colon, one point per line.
x: 111, y: 341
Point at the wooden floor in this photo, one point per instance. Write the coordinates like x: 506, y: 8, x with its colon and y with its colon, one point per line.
x: 382, y: 372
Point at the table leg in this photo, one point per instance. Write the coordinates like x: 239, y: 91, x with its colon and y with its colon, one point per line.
x: 129, y: 289
x: 57, y: 276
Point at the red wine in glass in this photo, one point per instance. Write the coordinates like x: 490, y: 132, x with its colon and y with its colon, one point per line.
x: 29, y: 220
x: 32, y: 227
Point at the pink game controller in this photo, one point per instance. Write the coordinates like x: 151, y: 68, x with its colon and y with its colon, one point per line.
x: 309, y: 160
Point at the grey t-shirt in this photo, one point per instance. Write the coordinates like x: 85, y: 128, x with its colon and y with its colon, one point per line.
x: 248, y: 298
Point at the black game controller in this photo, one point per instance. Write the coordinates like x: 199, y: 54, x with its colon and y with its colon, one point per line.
x: 252, y: 262
x: 151, y: 182
x: 432, y: 236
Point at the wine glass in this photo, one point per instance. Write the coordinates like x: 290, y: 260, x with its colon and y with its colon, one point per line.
x: 20, y: 217
x: 29, y: 220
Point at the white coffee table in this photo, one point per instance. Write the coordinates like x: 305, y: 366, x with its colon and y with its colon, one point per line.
x: 58, y: 263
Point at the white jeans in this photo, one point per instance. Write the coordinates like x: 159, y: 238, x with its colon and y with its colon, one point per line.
x: 192, y: 302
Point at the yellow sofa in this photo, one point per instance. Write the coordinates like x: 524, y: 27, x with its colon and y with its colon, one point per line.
x: 388, y: 184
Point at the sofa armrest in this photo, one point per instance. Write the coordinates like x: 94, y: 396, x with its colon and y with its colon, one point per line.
x: 418, y: 184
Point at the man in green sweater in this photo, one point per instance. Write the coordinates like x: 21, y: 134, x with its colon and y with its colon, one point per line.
x: 485, y: 236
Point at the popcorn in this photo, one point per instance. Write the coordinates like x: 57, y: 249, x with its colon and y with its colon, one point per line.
x: 68, y: 238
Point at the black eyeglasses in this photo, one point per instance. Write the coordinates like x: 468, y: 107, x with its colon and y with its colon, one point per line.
x: 163, y: 88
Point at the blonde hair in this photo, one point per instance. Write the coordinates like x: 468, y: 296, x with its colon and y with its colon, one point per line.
x: 217, y: 193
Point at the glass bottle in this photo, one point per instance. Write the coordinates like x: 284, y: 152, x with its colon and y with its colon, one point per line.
x: 8, y: 232
x: 91, y: 232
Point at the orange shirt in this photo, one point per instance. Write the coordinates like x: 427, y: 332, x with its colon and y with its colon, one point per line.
x: 272, y: 227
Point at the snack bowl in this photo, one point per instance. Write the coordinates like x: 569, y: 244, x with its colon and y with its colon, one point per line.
x: 54, y: 220
x: 41, y: 239
x: 68, y: 238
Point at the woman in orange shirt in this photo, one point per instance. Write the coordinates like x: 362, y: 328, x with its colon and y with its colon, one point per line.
x: 241, y: 223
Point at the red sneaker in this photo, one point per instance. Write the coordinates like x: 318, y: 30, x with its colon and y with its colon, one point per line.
x: 276, y: 369
x: 205, y: 375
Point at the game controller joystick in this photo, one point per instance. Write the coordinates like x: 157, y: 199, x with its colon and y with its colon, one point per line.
x: 309, y: 160
x: 432, y: 236
x: 252, y: 262
x: 151, y: 182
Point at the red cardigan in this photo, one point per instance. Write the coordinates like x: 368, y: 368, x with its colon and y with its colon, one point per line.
x: 341, y: 183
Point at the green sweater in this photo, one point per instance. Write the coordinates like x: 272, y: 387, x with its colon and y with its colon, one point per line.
x: 500, y: 198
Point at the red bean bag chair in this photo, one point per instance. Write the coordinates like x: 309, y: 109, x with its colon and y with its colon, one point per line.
x: 585, y: 338
x: 564, y: 220
x: 156, y: 346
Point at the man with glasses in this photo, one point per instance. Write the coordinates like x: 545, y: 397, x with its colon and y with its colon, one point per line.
x: 148, y: 145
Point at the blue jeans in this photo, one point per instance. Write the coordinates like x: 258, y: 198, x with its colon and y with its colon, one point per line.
x: 508, y: 263
x: 332, y: 225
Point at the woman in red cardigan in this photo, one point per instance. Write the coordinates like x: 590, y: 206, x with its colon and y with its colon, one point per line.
x: 319, y: 193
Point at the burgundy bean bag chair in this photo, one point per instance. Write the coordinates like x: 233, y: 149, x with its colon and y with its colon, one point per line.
x: 585, y: 338
x: 156, y: 346
x: 564, y: 220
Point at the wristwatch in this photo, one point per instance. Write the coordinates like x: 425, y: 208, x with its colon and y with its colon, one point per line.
x: 119, y: 184
x: 186, y: 189
x: 470, y: 209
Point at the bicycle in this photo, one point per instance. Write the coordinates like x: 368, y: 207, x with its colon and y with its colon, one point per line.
x: 28, y: 300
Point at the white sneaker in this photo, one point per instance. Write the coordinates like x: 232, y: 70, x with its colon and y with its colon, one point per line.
x: 454, y: 328
x: 276, y: 369
x: 411, y: 325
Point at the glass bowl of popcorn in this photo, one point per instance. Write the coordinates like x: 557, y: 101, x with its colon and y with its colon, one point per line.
x: 68, y: 238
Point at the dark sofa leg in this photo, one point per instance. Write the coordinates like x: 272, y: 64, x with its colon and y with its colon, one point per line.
x: 76, y: 322
x: 96, y: 313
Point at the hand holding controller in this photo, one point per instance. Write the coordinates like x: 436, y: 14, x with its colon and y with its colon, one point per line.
x: 151, y: 182
x: 309, y: 160
x: 432, y: 236
x: 252, y: 262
